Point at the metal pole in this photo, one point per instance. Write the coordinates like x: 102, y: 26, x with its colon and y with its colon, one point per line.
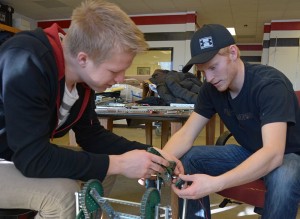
x: 184, y: 208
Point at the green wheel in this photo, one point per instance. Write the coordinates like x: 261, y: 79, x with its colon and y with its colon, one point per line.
x: 86, y: 201
x: 150, y: 199
x: 80, y: 215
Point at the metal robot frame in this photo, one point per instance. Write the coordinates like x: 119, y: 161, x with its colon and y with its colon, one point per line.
x: 90, y: 199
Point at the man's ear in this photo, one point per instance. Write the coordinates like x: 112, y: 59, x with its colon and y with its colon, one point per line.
x: 82, y: 59
x: 233, y: 52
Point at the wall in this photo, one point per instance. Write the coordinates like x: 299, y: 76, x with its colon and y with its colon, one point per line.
x: 281, y: 48
x: 161, y: 30
x: 266, y: 44
x: 251, y: 52
x: 23, y: 23
x: 173, y: 30
x: 169, y: 30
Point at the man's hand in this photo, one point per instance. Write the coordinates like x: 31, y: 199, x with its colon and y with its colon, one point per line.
x: 199, y: 185
x: 179, y: 167
x: 136, y: 164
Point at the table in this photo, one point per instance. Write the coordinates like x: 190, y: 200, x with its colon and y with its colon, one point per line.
x: 175, y: 120
x: 171, y: 121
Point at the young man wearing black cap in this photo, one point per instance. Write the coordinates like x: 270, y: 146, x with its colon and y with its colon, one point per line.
x: 48, y: 80
x: 258, y: 105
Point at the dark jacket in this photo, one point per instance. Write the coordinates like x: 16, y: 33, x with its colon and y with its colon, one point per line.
x: 176, y: 87
x: 31, y: 89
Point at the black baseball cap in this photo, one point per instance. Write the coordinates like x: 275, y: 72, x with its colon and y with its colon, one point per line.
x: 206, y: 43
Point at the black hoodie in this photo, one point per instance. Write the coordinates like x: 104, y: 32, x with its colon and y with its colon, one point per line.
x: 31, y: 90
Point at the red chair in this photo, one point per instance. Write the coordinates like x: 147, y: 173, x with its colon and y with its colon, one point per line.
x: 252, y: 193
x: 17, y: 214
x: 298, y: 95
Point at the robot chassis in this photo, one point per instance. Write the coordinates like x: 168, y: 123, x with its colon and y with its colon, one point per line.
x: 90, y: 200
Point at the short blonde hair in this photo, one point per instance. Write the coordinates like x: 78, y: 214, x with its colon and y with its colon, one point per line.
x: 224, y: 51
x: 99, y: 28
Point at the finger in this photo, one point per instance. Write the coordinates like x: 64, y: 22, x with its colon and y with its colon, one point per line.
x: 152, y: 173
x: 178, y: 170
x: 174, y: 188
x: 159, y: 160
x: 181, y: 192
x: 156, y: 168
x: 185, y: 193
x: 141, y: 181
x: 186, y: 177
x: 146, y: 175
x: 153, y: 176
x: 180, y: 167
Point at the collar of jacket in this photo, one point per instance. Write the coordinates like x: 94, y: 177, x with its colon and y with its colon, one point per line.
x: 53, y: 33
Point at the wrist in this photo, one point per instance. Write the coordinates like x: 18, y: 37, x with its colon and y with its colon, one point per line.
x: 114, y: 165
x: 219, y: 183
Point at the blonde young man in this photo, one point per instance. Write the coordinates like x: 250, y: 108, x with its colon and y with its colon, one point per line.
x: 258, y: 105
x: 48, y: 79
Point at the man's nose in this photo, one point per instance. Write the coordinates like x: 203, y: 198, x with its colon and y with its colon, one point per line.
x: 120, y: 77
x: 208, y: 76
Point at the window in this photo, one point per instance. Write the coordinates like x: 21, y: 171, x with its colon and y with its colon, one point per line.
x: 155, y: 58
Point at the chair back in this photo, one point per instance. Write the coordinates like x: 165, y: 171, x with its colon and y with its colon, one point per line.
x: 298, y: 95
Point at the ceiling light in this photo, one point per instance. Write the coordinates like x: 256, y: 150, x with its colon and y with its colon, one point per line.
x: 231, y: 30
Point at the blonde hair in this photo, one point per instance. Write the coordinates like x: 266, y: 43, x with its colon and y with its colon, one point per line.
x: 226, y: 50
x: 99, y: 28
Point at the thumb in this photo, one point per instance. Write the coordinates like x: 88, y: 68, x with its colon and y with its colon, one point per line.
x: 186, y: 177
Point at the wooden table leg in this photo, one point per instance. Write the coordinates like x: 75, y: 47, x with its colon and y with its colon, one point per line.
x: 72, y: 139
x: 148, y: 132
x: 165, y: 131
x: 107, y: 123
x: 174, y: 205
x: 175, y: 126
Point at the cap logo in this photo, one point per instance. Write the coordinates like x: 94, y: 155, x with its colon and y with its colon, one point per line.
x: 206, y: 42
